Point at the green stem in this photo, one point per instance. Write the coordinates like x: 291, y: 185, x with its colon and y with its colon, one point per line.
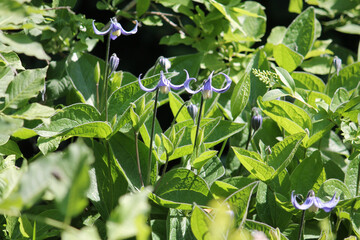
x: 222, y: 148
x: 138, y: 157
x: 249, y: 135
x: 198, y: 125
x: 357, y: 182
x: 302, y: 224
x: 177, y: 114
x: 97, y: 96
x: 111, y: 187
x: 163, y: 172
x: 330, y: 69
x: 104, y: 95
x: 152, y: 136
x: 50, y: 222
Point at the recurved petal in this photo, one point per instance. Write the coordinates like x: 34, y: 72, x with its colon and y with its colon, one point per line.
x: 97, y: 32
x: 327, y: 206
x: 144, y: 88
x: 307, y: 204
x: 124, y: 32
x: 187, y: 84
x: 227, y: 86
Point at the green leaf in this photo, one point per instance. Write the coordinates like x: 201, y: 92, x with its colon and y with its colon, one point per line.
x: 351, y: 175
x: 200, y: 222
x: 307, y: 174
x: 221, y: 190
x: 283, y: 152
x: 224, y: 130
x: 212, y: 170
x: 300, y: 35
x: 10, y: 148
x: 176, y: 102
x: 308, y: 81
x: 330, y: 186
x: 288, y: 116
x: 183, y: 186
x: 240, y: 96
x: 85, y: 233
x: 34, y: 111
x: 340, y: 98
x: 252, y: 162
x: 318, y: 65
x: 141, y: 7
x: 108, y: 182
x: 268, y: 209
x: 123, y: 148
x: 200, y: 161
x: 21, y: 43
x: 80, y: 69
x: 295, y: 6
x: 6, y: 76
x: 130, y: 216
x: 12, y: 60
x: 285, y: 78
x: 259, y: 226
x: 239, y: 202
x: 169, y: 147
x: 25, y: 85
x: 76, y: 120
x: 348, y: 78
x: 275, y: 94
x: 287, y: 58
x: 8, y: 126
x: 47, y: 145
x: 178, y: 225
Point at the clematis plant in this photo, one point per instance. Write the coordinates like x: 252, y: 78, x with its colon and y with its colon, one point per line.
x: 164, y: 85
x: 115, y: 29
x: 207, y: 88
x: 314, y: 203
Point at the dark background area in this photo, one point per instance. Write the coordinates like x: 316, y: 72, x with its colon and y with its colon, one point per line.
x: 139, y: 52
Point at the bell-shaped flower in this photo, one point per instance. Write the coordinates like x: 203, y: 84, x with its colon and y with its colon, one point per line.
x: 337, y: 62
x: 115, y: 29
x: 314, y: 203
x: 114, y: 63
x: 165, y: 63
x: 256, y: 120
x: 164, y: 85
x: 207, y: 88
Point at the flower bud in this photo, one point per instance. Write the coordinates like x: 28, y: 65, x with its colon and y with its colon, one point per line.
x: 337, y: 62
x: 114, y: 63
x: 192, y: 110
x: 256, y: 121
x: 165, y: 63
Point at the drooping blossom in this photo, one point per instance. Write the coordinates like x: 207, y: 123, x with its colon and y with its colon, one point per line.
x: 207, y: 88
x: 314, y: 203
x: 115, y: 29
x: 164, y: 85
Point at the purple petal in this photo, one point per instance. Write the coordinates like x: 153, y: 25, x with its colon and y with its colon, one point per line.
x: 307, y: 204
x: 224, y: 89
x: 207, y: 84
x: 123, y: 31
x: 327, y: 206
x: 187, y: 83
x: 144, y: 88
x: 97, y: 32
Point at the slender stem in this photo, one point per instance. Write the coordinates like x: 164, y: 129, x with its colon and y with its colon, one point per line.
x: 198, y: 124
x: 357, y: 182
x: 138, y: 157
x: 97, y: 96
x: 302, y: 224
x: 152, y: 136
x: 177, y: 114
x: 104, y: 95
x: 111, y: 187
x: 330, y: 70
x: 222, y: 148
x: 163, y: 172
x: 249, y: 135
x: 50, y: 222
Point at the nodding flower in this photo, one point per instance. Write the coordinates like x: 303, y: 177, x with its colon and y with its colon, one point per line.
x: 207, y: 89
x: 115, y: 29
x: 256, y: 120
x: 337, y: 62
x: 314, y: 203
x: 165, y: 63
x: 164, y: 85
x: 114, y: 63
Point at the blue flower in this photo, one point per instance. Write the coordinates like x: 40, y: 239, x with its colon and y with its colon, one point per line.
x: 314, y: 203
x: 114, y: 63
x: 164, y: 85
x: 115, y: 29
x: 256, y: 120
x: 207, y: 89
x: 337, y: 62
